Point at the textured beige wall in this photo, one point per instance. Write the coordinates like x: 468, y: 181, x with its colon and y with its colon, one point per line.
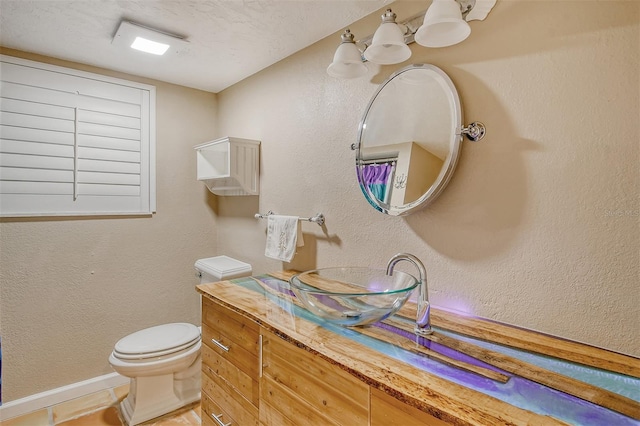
x: 72, y: 287
x: 539, y: 227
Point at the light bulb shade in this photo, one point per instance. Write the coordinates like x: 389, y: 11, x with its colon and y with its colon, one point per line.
x: 347, y: 62
x: 388, y: 46
x: 443, y: 25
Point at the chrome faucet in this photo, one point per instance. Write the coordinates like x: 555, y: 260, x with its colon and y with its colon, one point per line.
x: 423, y: 319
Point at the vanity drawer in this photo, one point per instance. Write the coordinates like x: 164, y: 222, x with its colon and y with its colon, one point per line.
x: 228, y: 326
x: 219, y: 397
x: 217, y: 365
x: 300, y: 388
x: 229, y: 350
x: 386, y: 410
x: 209, y: 411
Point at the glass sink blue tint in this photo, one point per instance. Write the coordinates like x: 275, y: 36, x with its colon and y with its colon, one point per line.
x: 518, y: 391
x: 352, y: 296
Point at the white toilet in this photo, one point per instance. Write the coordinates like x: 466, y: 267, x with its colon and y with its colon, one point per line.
x: 163, y: 362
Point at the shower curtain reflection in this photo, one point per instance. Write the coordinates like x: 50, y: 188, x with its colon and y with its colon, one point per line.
x: 377, y: 178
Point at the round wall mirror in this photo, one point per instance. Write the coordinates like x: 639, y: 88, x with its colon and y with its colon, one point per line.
x: 409, y: 140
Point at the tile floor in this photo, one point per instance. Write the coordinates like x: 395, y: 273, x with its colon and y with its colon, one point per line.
x: 99, y: 409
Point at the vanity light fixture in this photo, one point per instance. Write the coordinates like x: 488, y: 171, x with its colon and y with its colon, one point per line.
x: 347, y: 61
x: 443, y: 24
x: 388, y: 45
x: 147, y: 39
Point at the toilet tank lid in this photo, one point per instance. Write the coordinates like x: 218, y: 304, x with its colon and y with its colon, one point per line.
x: 222, y: 267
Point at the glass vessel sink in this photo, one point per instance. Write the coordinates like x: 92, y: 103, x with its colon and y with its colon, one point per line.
x: 351, y: 296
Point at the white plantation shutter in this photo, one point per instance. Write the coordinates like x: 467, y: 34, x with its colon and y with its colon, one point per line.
x: 74, y: 143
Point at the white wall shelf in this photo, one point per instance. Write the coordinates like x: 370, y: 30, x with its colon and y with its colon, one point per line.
x: 229, y: 166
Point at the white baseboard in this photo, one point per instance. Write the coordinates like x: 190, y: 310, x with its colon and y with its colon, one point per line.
x: 56, y: 396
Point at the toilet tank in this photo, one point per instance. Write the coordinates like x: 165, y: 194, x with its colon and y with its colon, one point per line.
x: 221, y: 268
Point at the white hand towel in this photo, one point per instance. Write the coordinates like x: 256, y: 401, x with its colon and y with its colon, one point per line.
x: 282, y: 237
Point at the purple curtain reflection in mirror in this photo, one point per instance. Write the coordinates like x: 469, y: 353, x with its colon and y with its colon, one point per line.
x: 377, y: 178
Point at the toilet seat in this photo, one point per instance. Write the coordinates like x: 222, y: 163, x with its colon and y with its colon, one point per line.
x: 152, y: 365
x: 158, y: 341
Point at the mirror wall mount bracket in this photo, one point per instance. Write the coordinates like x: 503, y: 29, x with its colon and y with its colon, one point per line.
x: 474, y: 131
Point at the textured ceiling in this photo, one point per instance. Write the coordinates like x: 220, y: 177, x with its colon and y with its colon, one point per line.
x: 229, y: 40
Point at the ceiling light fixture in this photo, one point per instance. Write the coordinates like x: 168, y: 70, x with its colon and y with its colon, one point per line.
x: 147, y: 39
x: 149, y: 46
x: 443, y: 24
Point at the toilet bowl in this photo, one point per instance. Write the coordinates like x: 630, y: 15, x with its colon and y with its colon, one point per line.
x: 163, y: 362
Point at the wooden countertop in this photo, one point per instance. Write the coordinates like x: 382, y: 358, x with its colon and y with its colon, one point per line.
x: 385, y: 366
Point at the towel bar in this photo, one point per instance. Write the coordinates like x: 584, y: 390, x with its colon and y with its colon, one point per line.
x: 318, y: 218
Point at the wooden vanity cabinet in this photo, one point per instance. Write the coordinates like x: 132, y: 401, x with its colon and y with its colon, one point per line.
x: 230, y: 367
x: 386, y: 410
x: 252, y: 376
x: 300, y: 388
